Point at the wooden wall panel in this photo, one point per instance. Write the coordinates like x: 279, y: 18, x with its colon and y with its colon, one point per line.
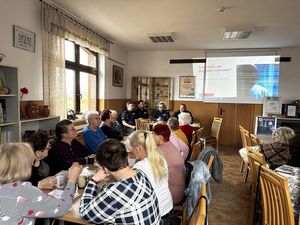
x: 116, y: 104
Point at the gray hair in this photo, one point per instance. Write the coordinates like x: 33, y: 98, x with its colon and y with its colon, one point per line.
x: 184, y: 118
x: 283, y: 135
x: 90, y: 114
x: 173, y: 123
x: 114, y: 113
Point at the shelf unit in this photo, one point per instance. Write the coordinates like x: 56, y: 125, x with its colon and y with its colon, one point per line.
x: 44, y: 123
x: 10, y: 129
x: 152, y: 90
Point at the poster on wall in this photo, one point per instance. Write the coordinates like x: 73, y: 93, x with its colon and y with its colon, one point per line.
x: 187, y: 87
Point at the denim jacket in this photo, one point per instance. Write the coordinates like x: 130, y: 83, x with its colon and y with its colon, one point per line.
x: 200, y: 174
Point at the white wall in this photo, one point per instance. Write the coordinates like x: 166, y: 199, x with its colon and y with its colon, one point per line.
x: 25, y: 14
x: 118, y: 57
x: 157, y: 63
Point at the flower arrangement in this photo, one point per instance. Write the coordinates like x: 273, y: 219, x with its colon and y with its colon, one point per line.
x: 24, y: 91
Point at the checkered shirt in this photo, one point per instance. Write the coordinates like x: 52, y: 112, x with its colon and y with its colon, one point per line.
x: 129, y: 201
x: 276, y: 154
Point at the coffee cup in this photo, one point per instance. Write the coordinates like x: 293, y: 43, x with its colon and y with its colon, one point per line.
x: 61, y: 181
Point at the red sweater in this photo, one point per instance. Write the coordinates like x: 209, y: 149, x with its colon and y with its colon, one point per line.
x: 188, y: 131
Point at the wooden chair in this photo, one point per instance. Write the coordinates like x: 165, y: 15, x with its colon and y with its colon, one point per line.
x: 254, y: 140
x: 277, y: 206
x: 254, y: 156
x: 213, y: 138
x: 199, y: 133
x: 196, y: 149
x: 199, y: 213
x: 142, y: 124
x: 184, y: 206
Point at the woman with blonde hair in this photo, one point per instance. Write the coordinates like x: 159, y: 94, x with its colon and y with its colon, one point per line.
x: 154, y: 165
x: 20, y: 202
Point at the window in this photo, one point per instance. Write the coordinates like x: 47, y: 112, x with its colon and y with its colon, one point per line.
x: 81, y: 78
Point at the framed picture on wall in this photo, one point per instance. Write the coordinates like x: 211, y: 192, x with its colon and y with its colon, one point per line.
x: 291, y: 110
x: 117, y: 78
x: 23, y: 39
x: 187, y: 87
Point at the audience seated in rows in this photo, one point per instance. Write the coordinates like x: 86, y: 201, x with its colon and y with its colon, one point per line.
x: 107, y: 121
x: 184, y: 124
x: 92, y: 134
x: 182, y: 147
x: 176, y: 167
x: 141, y: 111
x: 128, y: 118
x: 22, y: 203
x: 292, y: 168
x: 182, y: 108
x: 129, y: 199
x: 39, y: 142
x: 66, y: 149
x: 154, y: 165
x: 162, y: 114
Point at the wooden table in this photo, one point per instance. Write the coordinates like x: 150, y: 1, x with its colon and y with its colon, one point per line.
x: 73, y: 214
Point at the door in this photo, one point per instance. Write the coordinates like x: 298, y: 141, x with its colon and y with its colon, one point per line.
x: 227, y: 134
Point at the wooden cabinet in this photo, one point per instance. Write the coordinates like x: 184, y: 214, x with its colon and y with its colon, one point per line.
x: 152, y: 90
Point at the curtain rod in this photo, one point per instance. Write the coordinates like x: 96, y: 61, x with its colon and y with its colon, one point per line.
x: 76, y: 19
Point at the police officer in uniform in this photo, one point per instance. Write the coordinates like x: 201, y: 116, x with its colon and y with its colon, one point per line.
x: 128, y: 117
x: 161, y: 114
x: 141, y: 111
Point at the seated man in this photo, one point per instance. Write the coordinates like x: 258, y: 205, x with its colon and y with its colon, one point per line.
x: 161, y: 114
x: 128, y: 117
x: 182, y: 108
x: 129, y: 199
x: 141, y: 111
x: 92, y: 134
x: 66, y: 149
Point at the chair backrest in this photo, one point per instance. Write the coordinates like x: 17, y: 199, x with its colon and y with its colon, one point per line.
x: 196, y: 149
x: 142, y: 124
x: 199, y: 214
x: 215, y: 127
x: 254, y: 156
x: 254, y: 140
x: 194, y: 139
x: 277, y: 206
x: 199, y: 133
x: 210, y: 161
x: 244, y: 144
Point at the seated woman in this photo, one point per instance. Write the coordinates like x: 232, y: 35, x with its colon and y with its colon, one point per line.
x: 106, y: 126
x: 185, y: 120
x: 276, y: 153
x: 182, y: 147
x: 130, y: 199
x: 22, y: 203
x: 39, y: 142
x: 154, y: 165
x: 92, y: 134
x: 66, y: 149
x: 176, y: 167
x: 292, y: 168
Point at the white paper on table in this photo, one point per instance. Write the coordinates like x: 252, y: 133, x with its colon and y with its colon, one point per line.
x: 58, y: 194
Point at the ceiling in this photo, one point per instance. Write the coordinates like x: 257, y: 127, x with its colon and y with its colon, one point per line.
x: 196, y: 24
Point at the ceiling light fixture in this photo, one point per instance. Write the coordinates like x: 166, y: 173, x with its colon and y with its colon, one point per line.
x: 237, y: 32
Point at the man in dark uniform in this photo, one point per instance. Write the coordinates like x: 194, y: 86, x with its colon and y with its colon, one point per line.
x: 161, y: 114
x: 141, y: 111
x: 128, y: 118
x: 182, y: 108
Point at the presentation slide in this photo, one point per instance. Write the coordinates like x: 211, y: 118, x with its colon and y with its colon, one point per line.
x: 238, y: 79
